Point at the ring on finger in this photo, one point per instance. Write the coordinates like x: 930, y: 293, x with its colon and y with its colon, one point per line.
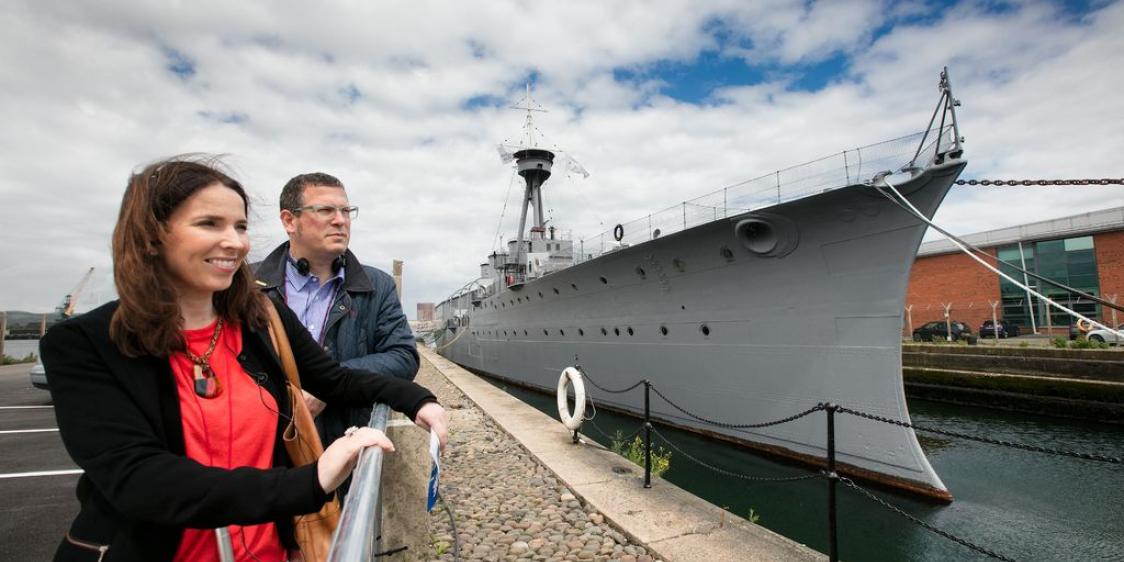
x: 350, y: 430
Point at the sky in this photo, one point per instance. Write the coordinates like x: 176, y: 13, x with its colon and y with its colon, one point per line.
x: 406, y: 102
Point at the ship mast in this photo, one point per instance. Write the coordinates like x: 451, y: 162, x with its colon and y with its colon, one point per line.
x: 534, y: 166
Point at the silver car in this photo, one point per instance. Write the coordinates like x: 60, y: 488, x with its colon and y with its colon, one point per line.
x: 39, y: 376
x: 1106, y: 336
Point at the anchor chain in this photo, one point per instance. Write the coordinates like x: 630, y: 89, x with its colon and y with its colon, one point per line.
x: 1014, y: 183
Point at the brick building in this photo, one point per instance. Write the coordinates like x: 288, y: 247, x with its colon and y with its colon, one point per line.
x: 1084, y: 251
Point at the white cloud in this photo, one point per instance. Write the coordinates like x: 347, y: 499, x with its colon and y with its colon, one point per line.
x: 376, y: 94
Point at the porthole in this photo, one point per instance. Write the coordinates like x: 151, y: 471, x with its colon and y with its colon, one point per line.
x: 604, y: 281
x: 604, y: 332
x: 630, y: 332
x: 518, y: 299
x: 581, y: 332
x: 556, y: 290
x: 640, y: 271
x: 562, y: 332
x: 545, y: 333
x: 663, y: 330
x: 705, y: 330
x: 574, y: 286
x: 540, y: 294
x: 616, y: 331
x: 524, y: 332
x: 505, y: 332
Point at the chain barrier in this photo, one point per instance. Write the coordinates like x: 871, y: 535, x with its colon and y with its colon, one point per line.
x: 603, y: 389
x: 815, y: 408
x: 675, y: 448
x: 1014, y: 183
x: 869, y: 495
x: 627, y: 439
x: 1001, y: 443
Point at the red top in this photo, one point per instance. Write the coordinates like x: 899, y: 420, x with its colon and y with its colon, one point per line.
x: 236, y: 428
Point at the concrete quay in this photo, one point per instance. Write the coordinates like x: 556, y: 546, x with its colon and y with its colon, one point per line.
x: 521, y: 490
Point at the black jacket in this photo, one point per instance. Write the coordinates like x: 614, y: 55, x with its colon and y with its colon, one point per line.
x: 119, y: 419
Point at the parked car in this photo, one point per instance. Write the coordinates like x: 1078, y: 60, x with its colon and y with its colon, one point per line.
x: 39, y: 376
x: 938, y: 331
x: 1105, y: 336
x: 1006, y: 329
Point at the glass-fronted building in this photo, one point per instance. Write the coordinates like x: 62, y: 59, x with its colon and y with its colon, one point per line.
x: 1069, y: 261
x: 1084, y: 252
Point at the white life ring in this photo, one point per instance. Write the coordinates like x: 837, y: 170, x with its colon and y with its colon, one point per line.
x: 571, y: 376
x: 1084, y: 325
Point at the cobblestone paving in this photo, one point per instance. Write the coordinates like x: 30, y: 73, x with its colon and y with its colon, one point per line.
x: 507, y: 506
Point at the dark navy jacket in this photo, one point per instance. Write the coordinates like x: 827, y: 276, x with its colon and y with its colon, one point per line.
x: 366, y: 330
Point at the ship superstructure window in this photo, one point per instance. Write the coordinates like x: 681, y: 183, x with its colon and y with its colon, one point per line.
x: 561, y: 332
x: 604, y: 332
x: 630, y: 330
x: 545, y: 333
x: 573, y: 286
x: 616, y: 331
x: 556, y: 290
x: 581, y: 332
x: 663, y: 330
x: 705, y: 330
x: 604, y: 281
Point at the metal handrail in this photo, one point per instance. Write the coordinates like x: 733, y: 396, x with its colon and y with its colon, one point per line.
x: 357, y: 537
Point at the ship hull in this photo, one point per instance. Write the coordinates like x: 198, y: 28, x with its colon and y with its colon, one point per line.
x: 734, y: 330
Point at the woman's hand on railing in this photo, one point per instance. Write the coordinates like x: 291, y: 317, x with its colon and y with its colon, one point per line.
x: 432, y: 416
x: 340, y: 457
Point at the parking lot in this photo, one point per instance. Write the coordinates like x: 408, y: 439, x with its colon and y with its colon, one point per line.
x: 37, y: 478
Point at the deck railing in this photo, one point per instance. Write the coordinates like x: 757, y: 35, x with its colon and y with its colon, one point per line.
x: 358, y: 536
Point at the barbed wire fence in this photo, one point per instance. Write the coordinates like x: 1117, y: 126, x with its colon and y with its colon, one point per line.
x: 828, y: 473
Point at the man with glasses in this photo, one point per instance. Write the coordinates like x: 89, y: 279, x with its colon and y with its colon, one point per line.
x: 350, y: 308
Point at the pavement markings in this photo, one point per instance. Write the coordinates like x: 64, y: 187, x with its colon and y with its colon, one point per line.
x: 41, y: 473
x: 6, y: 432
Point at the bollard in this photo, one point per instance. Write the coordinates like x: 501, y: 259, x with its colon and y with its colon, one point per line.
x: 832, y: 478
x: 647, y: 435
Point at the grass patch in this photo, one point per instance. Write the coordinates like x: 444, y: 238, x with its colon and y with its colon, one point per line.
x: 634, y: 451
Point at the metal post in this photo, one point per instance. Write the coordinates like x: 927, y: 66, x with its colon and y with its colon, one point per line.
x: 725, y: 204
x: 1026, y: 282
x: 42, y: 326
x: 647, y: 435
x: 4, y: 330
x: 226, y: 546
x: 778, y: 187
x: 684, y: 215
x: 948, y: 321
x: 994, y: 322
x: 909, y: 319
x: 832, y: 478
x: 1111, y: 299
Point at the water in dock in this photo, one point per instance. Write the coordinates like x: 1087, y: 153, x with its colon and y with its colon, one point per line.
x: 1022, y: 505
x: 20, y: 348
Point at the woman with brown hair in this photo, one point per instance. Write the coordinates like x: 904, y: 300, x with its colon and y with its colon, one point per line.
x: 172, y: 400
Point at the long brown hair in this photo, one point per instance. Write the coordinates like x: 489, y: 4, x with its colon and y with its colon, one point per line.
x: 147, y: 320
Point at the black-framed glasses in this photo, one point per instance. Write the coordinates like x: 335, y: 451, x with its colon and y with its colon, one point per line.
x: 327, y: 212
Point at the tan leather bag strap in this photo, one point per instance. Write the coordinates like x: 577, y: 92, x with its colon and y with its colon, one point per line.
x: 302, y: 441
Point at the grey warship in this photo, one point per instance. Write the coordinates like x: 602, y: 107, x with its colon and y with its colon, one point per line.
x: 750, y: 303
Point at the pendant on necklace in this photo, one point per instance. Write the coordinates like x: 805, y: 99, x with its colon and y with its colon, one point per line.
x: 206, y: 383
